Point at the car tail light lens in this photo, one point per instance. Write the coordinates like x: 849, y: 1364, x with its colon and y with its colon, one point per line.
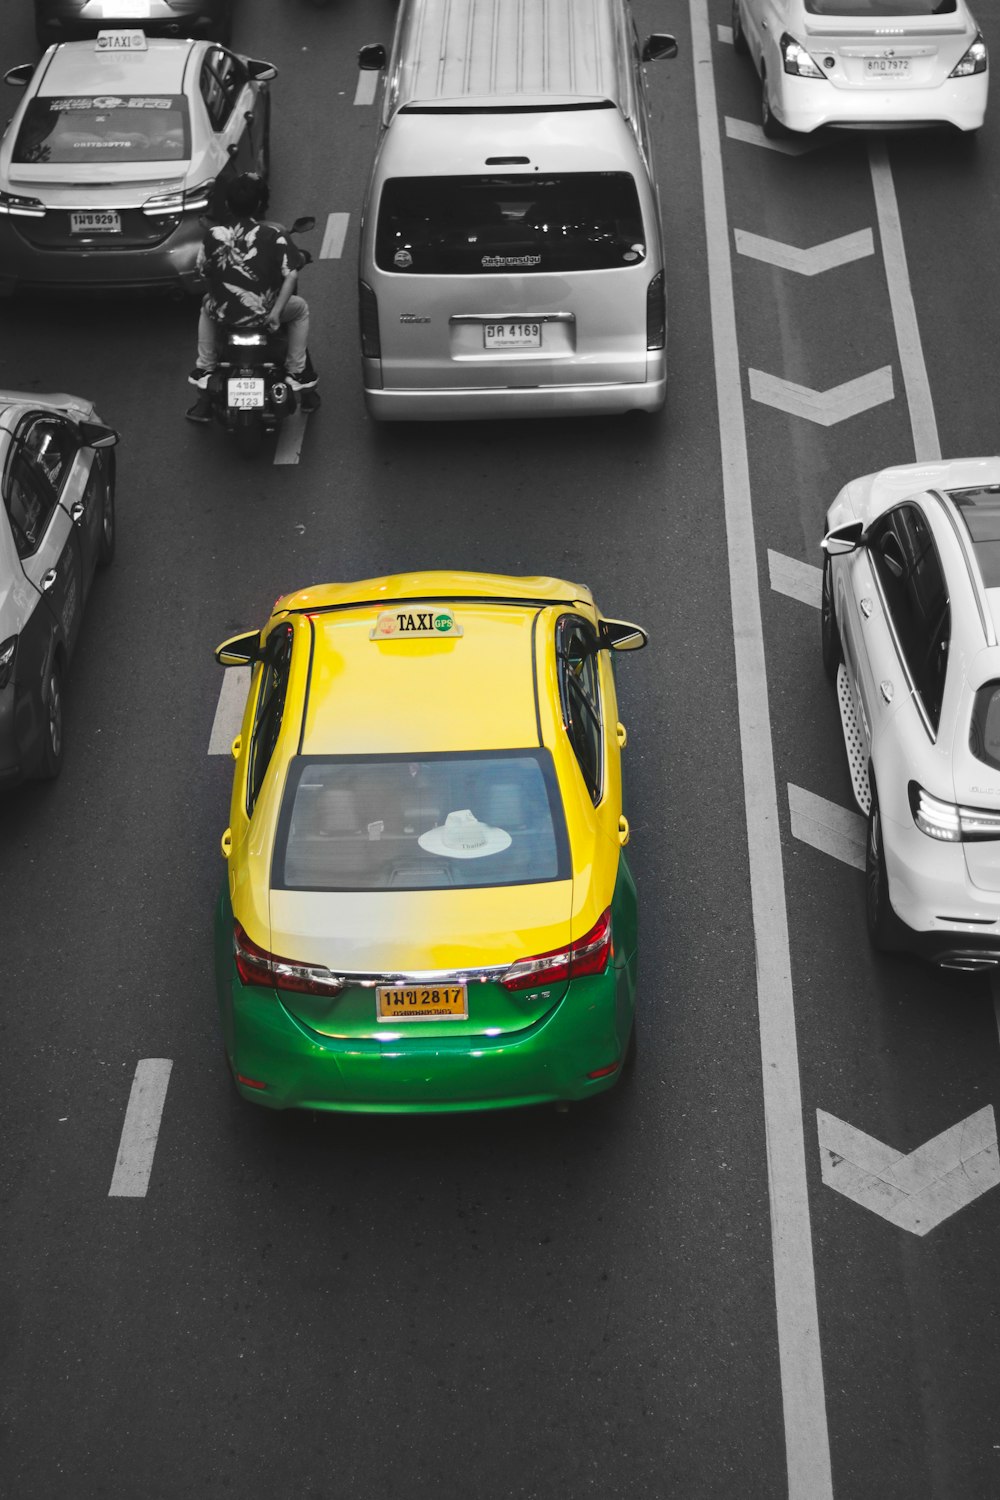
x: 950, y: 823
x: 191, y: 200
x: 8, y: 656
x: 371, y: 343
x: 28, y: 208
x: 256, y: 966
x: 973, y: 61
x: 588, y: 955
x: 795, y: 59
x: 656, y: 312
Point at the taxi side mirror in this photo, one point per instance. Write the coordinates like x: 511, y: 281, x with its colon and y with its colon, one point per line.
x: 658, y: 46
x: 94, y: 435
x: 19, y: 77
x: 239, y: 650
x: 303, y: 225
x: 261, y: 72
x: 843, y: 539
x: 621, y: 635
x: 372, y: 57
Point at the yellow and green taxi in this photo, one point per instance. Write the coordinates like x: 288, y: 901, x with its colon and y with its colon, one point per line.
x: 428, y: 905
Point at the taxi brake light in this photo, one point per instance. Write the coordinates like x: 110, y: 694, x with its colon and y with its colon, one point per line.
x: 588, y: 955
x: 256, y: 966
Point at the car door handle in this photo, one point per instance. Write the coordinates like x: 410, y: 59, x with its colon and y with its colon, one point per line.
x: 48, y: 579
x: 226, y: 843
x: 621, y: 734
x: 78, y: 511
x: 623, y: 830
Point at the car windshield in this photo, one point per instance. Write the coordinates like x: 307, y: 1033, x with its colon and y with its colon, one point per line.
x: 875, y: 9
x: 105, y: 127
x: 360, y: 823
x: 980, y: 510
x: 579, y: 221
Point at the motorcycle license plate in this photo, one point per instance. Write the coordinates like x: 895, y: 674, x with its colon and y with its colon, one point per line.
x: 246, y: 392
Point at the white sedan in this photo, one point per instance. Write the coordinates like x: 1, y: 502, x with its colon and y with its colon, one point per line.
x: 911, y: 635
x: 867, y: 64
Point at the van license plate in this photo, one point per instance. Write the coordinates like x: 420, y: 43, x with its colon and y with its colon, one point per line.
x: 887, y: 67
x: 512, y: 336
x: 108, y: 221
x: 434, y: 1002
x: 246, y: 392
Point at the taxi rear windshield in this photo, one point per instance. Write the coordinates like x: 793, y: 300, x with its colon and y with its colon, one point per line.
x: 980, y: 510
x: 104, y: 127
x: 873, y: 9
x: 578, y: 221
x: 407, y: 823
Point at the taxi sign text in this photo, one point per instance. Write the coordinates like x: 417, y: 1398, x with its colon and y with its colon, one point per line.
x: 393, y: 623
x: 120, y: 41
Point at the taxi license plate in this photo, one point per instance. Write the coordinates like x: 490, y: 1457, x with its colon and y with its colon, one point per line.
x: 433, y: 1002
x: 246, y: 392
x: 107, y: 221
x: 512, y: 336
x: 887, y: 67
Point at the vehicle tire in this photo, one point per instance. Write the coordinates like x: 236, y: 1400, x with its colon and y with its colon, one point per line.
x: 829, y: 634
x: 109, y: 532
x: 249, y: 434
x: 878, y: 912
x: 772, y: 128
x: 51, y: 760
x: 740, y: 44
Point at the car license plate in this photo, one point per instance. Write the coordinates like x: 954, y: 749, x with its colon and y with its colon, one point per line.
x: 246, y: 392
x: 422, y: 1002
x: 887, y: 67
x: 106, y: 221
x: 512, y: 336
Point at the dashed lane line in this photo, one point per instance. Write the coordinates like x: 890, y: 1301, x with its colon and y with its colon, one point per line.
x: 367, y: 86
x: 826, y: 826
x: 334, y: 236
x: 798, y: 580
x: 141, y: 1129
x: 291, y: 436
x: 229, y: 709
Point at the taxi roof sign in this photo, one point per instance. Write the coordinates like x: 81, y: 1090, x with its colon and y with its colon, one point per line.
x: 120, y: 41
x: 405, y: 622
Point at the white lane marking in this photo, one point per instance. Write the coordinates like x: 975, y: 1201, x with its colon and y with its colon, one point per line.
x: 811, y: 262
x: 915, y: 1190
x: 725, y: 34
x: 229, y: 709
x: 142, y: 1126
x: 827, y: 827
x: 799, y: 580
x: 367, y: 86
x: 290, y: 438
x: 807, y: 1442
x: 823, y: 407
x: 334, y: 236
x: 923, y: 423
x: 742, y: 130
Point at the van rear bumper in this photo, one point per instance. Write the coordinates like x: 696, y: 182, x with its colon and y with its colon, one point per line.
x: 483, y: 404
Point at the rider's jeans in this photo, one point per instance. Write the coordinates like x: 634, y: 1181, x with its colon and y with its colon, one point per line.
x: 294, y: 319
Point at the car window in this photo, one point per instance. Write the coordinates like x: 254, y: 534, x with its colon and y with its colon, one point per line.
x: 222, y: 78
x: 270, y: 707
x: 871, y: 9
x: 104, y: 128
x: 913, y: 585
x: 29, y: 501
x: 580, y: 695
x: 984, y: 730
x: 419, y: 822
x: 50, y: 445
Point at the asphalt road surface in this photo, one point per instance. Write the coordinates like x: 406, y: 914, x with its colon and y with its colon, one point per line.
x: 654, y: 1296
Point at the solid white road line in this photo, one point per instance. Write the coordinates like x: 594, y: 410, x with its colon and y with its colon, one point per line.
x: 229, y: 709
x: 807, y: 1442
x: 334, y: 236
x: 367, y: 86
x: 798, y: 580
x: 827, y: 827
x: 923, y: 423
x: 810, y: 262
x: 142, y: 1126
x: 290, y: 438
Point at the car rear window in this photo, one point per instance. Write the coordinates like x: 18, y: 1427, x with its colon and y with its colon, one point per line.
x: 984, y: 731
x: 579, y: 221
x: 398, y: 822
x: 873, y: 9
x: 105, y: 127
x: 980, y: 510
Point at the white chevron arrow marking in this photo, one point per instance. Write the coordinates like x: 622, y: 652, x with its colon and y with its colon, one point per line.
x: 823, y: 257
x: 824, y: 407
x: 827, y: 826
x: 742, y: 130
x: 799, y: 580
x: 914, y: 1191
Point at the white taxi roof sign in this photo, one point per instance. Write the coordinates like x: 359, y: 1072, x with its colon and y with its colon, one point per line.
x: 411, y: 622
x: 120, y: 41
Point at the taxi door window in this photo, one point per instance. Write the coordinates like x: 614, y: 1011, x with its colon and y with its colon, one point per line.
x: 270, y: 707
x: 580, y: 695
x: 29, y: 501
x: 222, y: 79
x: 49, y: 445
x: 913, y: 585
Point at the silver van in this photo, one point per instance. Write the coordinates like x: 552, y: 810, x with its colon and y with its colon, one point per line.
x: 511, y: 255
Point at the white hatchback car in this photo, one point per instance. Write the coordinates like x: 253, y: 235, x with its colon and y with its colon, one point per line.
x: 911, y: 635
x: 867, y: 64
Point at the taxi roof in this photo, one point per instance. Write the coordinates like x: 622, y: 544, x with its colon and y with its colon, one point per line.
x: 79, y: 67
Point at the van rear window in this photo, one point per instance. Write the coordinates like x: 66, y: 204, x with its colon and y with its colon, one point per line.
x: 471, y: 226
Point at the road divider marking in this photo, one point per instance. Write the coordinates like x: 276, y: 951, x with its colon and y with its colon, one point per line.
x: 812, y: 262
x: 827, y: 826
x: 799, y: 580
x: 826, y: 408
x: 229, y: 709
x: 141, y: 1129
x: 916, y: 1190
x: 291, y: 435
x: 334, y: 236
x: 752, y: 135
x: 367, y: 86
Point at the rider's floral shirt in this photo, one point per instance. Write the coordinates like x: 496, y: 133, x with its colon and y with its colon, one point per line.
x: 244, y: 265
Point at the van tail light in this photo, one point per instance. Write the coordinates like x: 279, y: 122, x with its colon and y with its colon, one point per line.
x: 588, y: 955
x: 656, y: 312
x: 256, y: 966
x: 371, y: 343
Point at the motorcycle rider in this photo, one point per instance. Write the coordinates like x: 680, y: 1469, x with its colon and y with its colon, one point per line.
x: 250, y: 268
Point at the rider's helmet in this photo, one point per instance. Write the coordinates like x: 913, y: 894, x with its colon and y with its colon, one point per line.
x: 248, y: 196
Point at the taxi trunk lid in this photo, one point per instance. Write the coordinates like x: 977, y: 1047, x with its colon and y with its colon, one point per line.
x: 898, y: 51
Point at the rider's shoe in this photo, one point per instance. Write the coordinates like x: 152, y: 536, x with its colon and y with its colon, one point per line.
x: 201, y: 411
x: 305, y: 379
x: 309, y: 401
x: 200, y: 377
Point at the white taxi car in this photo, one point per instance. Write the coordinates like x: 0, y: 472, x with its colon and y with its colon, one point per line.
x: 911, y: 634
x: 872, y: 64
x: 118, y: 148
